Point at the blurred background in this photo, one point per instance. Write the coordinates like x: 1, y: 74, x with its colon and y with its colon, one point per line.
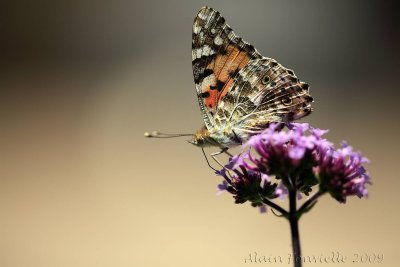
x: 80, y: 81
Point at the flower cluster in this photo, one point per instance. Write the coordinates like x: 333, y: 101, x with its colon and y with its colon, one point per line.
x: 245, y: 184
x: 341, y: 172
x: 298, y: 159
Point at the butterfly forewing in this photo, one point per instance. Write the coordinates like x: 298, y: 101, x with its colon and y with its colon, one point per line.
x: 217, y: 56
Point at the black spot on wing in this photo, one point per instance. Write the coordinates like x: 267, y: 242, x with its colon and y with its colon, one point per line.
x: 309, y: 98
x: 219, y: 86
x: 198, y: 69
x: 207, y: 73
x: 205, y: 94
x: 274, y: 64
x: 251, y: 49
x: 305, y: 86
x: 233, y: 74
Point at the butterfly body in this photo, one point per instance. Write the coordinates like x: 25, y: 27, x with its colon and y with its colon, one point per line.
x: 223, y: 137
x: 240, y: 92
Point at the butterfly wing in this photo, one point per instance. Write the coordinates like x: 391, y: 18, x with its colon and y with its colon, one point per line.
x: 263, y: 92
x: 218, y: 55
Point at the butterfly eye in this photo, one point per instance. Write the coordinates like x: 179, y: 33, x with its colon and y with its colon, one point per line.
x: 286, y: 100
x: 265, y: 80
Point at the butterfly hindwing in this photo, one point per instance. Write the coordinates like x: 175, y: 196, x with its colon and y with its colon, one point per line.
x: 263, y: 91
x: 218, y: 55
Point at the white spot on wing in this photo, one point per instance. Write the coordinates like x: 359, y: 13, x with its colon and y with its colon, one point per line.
x: 207, y: 81
x: 196, y: 29
x: 202, y: 51
x: 207, y: 50
x: 218, y: 40
x: 203, y: 16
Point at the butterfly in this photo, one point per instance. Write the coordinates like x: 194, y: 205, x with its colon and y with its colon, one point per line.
x: 239, y: 91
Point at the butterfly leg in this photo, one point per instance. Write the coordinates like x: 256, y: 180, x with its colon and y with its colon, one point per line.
x: 223, y: 150
x: 226, y: 152
x: 213, y: 155
x: 237, y: 139
x: 208, y: 163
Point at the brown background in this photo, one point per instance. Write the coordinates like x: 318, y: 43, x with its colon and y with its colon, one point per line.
x: 81, y: 81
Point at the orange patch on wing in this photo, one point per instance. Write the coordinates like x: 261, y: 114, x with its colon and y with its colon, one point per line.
x: 241, y: 60
x: 223, y: 66
x: 226, y: 89
x: 223, y: 62
x: 211, y: 100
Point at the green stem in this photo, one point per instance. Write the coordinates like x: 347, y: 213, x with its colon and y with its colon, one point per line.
x: 309, y: 202
x: 275, y: 206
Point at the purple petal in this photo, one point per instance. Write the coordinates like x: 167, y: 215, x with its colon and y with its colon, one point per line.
x: 301, y: 127
x: 265, y: 177
x: 318, y: 133
x: 263, y: 209
x: 296, y: 153
x: 222, y: 187
x: 281, y: 191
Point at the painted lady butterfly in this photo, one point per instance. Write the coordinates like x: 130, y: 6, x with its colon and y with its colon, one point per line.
x: 239, y: 91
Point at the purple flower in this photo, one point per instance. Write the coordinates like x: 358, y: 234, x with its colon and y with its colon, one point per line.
x: 222, y: 187
x: 263, y: 209
x: 318, y: 132
x: 289, y: 153
x: 342, y: 174
x: 281, y: 191
x: 297, y: 159
x: 245, y: 184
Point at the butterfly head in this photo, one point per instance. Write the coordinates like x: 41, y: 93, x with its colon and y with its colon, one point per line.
x: 203, y: 138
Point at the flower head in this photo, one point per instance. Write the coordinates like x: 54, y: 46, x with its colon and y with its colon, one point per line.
x: 245, y: 184
x: 289, y: 153
x: 297, y: 159
x: 342, y: 174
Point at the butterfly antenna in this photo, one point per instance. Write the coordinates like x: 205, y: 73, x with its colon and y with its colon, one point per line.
x: 156, y: 134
